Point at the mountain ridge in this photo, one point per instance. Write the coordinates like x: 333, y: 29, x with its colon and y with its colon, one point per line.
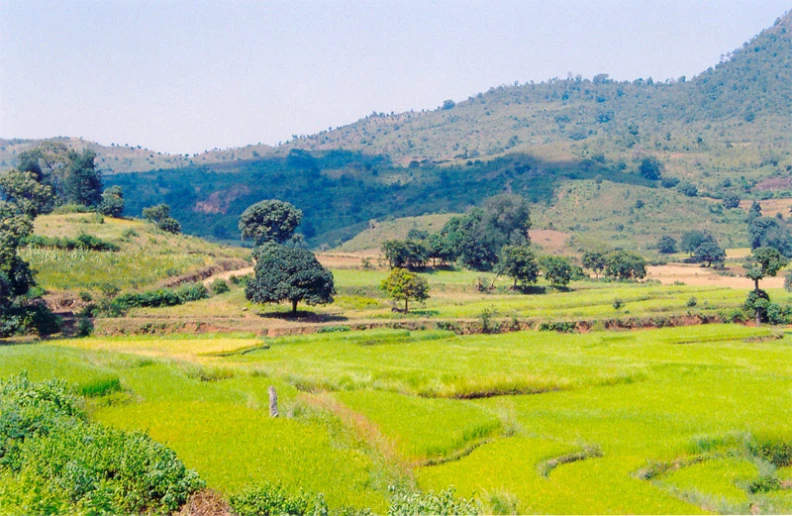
x: 377, y: 133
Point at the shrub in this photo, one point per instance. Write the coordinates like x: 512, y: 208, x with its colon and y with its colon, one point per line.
x: 273, y: 499
x: 403, y: 503
x: 692, y: 302
x: 161, y: 297
x: 85, y: 327
x: 52, y: 460
x: 333, y: 329
x: 83, y: 241
x: 219, y: 286
x: 561, y: 327
x: 128, y: 234
x: 486, y: 317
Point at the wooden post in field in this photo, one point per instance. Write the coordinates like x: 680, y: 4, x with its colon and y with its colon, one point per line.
x: 273, y: 401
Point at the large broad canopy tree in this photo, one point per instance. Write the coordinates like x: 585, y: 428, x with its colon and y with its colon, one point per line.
x: 290, y: 274
x: 270, y: 221
x: 478, y: 237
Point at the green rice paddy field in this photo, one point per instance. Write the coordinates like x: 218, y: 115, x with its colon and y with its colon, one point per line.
x: 674, y: 420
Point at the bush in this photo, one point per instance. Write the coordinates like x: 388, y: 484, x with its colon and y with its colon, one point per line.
x: 404, y: 503
x: 27, y: 318
x: 561, y: 327
x: 219, y: 286
x: 333, y: 329
x: 83, y: 242
x: 161, y: 297
x: 273, y: 499
x: 85, y: 327
x: 52, y: 460
x: 486, y: 317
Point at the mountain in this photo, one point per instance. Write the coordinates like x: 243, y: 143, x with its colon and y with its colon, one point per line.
x: 725, y: 132
x: 119, y: 159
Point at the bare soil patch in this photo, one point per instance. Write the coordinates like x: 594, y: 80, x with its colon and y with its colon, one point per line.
x: 550, y: 240
x: 701, y: 276
x: 771, y: 207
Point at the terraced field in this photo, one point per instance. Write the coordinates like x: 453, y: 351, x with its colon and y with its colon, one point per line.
x: 673, y: 420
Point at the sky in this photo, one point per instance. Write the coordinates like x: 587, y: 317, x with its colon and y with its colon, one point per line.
x: 187, y: 76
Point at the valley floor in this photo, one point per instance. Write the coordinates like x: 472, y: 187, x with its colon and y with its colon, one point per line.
x: 675, y: 420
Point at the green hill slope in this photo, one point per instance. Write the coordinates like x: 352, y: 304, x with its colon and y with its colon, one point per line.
x: 146, y: 255
x: 747, y: 96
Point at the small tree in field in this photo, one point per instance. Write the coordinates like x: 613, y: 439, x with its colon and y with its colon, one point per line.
x: 766, y: 261
x: 403, y: 285
x: 160, y: 215
x: 557, y: 270
x: 112, y: 203
x: 289, y: 274
x: 519, y: 263
x: 667, y: 245
x: 595, y: 261
x: 625, y: 265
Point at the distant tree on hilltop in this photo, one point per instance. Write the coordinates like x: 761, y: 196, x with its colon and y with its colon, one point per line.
x: 270, y: 221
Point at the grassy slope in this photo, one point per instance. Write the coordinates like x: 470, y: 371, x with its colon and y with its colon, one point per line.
x: 147, y: 255
x: 373, y: 237
x: 638, y: 398
x: 596, y: 212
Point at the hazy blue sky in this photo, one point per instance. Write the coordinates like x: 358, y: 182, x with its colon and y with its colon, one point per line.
x: 182, y: 76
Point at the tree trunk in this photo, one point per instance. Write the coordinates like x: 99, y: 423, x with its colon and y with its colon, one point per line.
x: 406, y: 308
x: 756, y: 285
x: 294, y: 307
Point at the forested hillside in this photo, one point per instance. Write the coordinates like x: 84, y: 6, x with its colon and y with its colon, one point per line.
x: 687, y: 142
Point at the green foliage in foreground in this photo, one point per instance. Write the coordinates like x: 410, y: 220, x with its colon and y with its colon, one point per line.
x: 52, y: 460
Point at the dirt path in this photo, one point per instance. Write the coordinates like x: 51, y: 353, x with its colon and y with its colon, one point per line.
x: 695, y: 275
x: 227, y: 274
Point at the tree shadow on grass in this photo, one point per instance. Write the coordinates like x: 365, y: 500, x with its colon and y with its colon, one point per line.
x: 425, y: 313
x: 303, y: 316
x: 530, y: 289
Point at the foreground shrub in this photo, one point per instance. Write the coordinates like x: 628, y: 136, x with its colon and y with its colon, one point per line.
x: 54, y: 461
x: 405, y: 503
x: 273, y: 499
